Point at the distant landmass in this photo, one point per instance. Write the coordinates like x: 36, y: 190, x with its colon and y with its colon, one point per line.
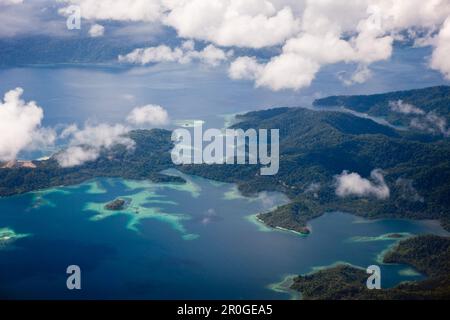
x: 423, y: 110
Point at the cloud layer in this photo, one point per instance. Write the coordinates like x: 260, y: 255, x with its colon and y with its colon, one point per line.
x: 305, y: 35
x: 310, y: 33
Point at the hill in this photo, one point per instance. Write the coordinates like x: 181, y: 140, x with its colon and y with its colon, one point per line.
x: 318, y: 146
x: 423, y: 110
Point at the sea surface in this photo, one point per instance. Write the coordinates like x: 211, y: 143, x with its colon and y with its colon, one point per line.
x: 194, y: 241
x: 200, y: 240
x: 107, y: 92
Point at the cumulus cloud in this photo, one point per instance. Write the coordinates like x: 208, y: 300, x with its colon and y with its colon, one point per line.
x: 352, y: 184
x: 405, y: 108
x: 76, y: 155
x: 303, y: 56
x: 102, y: 135
x: 246, y: 68
x: 96, y: 30
x: 186, y: 53
x: 148, y: 115
x: 86, y: 144
x: 440, y: 58
x: 20, y: 125
x: 249, y: 23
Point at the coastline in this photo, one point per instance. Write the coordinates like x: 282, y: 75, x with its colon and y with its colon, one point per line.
x: 285, y: 286
x: 263, y: 227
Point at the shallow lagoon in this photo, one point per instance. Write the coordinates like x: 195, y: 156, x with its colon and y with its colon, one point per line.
x: 176, y: 241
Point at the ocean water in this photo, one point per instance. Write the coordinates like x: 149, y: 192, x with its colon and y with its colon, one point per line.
x: 198, y: 240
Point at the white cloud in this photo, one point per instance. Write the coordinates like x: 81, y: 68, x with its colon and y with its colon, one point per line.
x: 186, y: 53
x: 20, y: 125
x: 69, y: 131
x: 123, y: 10
x: 152, y: 55
x: 288, y: 71
x: 148, y: 115
x: 242, y: 23
x: 96, y: 30
x: 86, y: 144
x: 211, y: 55
x: 361, y: 75
x: 102, y: 135
x: 246, y: 68
x: 432, y: 123
x: 302, y: 57
x: 440, y: 59
x: 405, y: 108
x: 352, y: 184
x: 77, y: 155
x: 43, y: 138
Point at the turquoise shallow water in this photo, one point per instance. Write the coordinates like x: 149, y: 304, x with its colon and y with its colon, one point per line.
x: 172, y: 241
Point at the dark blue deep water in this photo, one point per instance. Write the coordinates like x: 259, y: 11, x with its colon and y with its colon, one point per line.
x: 200, y: 243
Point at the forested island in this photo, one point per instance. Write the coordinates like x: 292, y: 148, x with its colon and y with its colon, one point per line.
x: 115, y: 205
x: 150, y: 156
x: 428, y: 254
